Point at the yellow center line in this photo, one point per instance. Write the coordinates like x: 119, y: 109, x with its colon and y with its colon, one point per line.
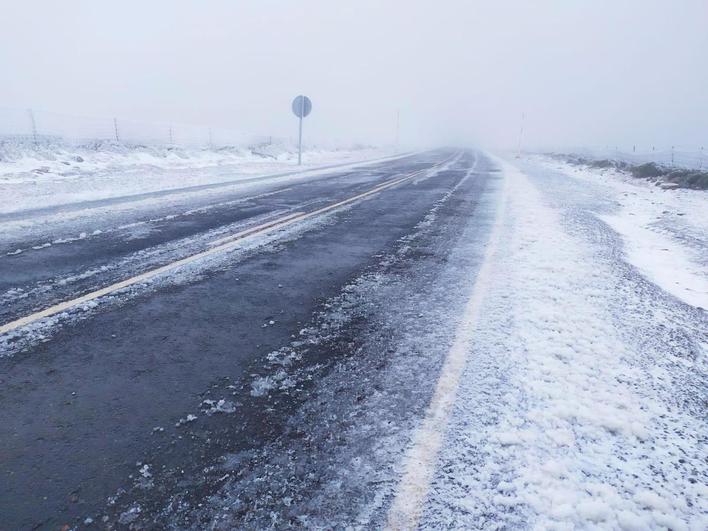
x: 254, y: 230
x: 218, y: 246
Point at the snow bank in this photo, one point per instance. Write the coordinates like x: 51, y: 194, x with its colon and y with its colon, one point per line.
x: 665, y: 232
x: 52, y: 174
x: 26, y: 161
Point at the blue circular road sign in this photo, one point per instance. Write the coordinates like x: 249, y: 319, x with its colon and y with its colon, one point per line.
x: 302, y: 106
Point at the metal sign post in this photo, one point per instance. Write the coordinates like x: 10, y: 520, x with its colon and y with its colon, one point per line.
x: 299, y: 134
x: 302, y: 106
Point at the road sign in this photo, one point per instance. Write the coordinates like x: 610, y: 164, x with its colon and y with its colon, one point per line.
x: 301, y: 107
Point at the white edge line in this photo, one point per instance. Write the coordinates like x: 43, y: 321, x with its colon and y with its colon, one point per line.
x: 421, y: 458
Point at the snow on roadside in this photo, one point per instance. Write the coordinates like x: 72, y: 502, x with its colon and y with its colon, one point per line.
x: 560, y: 422
x: 46, y: 176
x: 20, y: 162
x: 665, y: 231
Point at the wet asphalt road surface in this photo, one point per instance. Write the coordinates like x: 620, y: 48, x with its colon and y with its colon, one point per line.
x: 95, y: 416
x: 146, y: 228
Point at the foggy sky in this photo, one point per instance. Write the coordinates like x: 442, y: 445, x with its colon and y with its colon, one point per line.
x: 583, y: 72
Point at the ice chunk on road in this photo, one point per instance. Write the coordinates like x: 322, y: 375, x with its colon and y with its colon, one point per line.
x: 189, y: 418
x: 211, y: 407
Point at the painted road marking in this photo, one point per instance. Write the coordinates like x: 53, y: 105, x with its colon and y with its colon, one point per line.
x: 421, y: 458
x: 254, y: 230
x: 218, y: 246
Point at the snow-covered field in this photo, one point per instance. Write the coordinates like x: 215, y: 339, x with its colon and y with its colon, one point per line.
x: 692, y: 158
x: 665, y: 232
x: 41, y: 176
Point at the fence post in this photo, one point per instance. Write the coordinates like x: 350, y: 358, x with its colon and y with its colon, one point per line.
x: 700, y: 159
x: 115, y: 129
x: 672, y: 156
x: 33, y: 124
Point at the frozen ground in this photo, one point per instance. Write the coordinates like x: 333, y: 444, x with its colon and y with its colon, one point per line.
x: 43, y: 176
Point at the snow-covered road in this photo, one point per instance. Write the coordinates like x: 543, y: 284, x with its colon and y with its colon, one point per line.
x: 569, y: 389
x: 493, y: 344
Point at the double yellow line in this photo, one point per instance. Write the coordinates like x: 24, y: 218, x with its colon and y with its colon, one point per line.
x: 218, y: 246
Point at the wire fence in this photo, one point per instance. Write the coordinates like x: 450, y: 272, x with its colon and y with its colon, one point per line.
x: 42, y: 127
x: 688, y: 157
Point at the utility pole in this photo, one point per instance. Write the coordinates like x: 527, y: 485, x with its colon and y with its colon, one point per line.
x: 115, y: 129
x: 398, y: 126
x: 521, y: 133
x: 171, y: 141
x: 33, y: 124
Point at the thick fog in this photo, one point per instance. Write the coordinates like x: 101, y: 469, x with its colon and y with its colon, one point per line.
x: 463, y: 72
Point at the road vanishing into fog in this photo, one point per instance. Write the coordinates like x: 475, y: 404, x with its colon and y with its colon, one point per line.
x: 201, y: 362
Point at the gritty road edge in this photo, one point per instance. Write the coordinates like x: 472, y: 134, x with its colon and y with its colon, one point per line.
x: 420, y: 460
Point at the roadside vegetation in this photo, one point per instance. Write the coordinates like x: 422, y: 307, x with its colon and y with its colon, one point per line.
x: 664, y: 176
